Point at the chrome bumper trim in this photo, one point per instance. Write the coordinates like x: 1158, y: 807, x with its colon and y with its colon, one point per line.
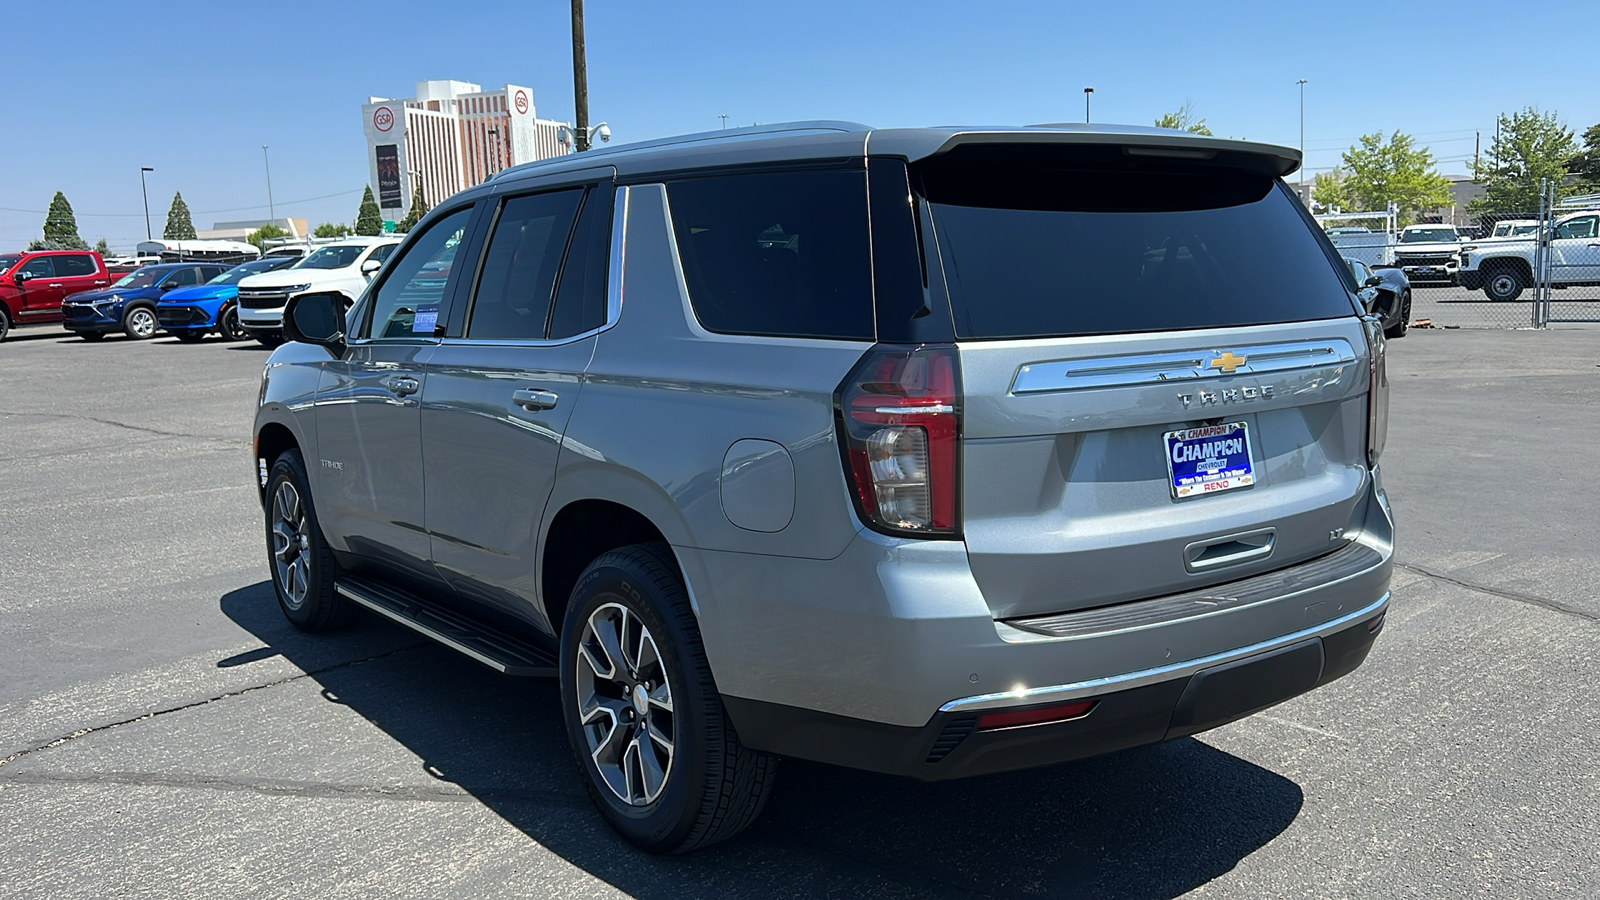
x: 1128, y: 680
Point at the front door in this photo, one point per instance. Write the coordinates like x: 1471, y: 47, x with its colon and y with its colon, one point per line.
x: 42, y: 292
x: 499, y: 395
x: 1575, y: 251
x: 369, y: 474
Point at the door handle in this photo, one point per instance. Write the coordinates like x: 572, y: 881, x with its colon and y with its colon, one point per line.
x: 401, y: 385
x: 58, y: 284
x: 1592, y: 245
x: 533, y: 401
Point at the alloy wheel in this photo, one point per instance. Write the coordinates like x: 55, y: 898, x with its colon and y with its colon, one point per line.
x: 624, y: 702
x: 142, y: 322
x: 291, y: 545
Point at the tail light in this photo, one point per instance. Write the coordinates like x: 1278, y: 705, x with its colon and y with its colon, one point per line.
x: 1377, y: 391
x: 899, y: 424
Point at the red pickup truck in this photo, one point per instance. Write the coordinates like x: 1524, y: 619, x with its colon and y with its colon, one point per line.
x: 33, y: 284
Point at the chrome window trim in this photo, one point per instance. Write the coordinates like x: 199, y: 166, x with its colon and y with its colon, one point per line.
x: 619, y: 238
x: 1144, y: 677
x: 1186, y: 365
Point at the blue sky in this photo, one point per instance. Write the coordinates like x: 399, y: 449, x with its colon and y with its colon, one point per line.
x: 195, y: 89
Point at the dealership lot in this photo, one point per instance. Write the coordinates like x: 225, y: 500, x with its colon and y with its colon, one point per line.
x: 165, y: 732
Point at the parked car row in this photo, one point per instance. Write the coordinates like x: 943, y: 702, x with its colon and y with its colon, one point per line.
x: 78, y: 290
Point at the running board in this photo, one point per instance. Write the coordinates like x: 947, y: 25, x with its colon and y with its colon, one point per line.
x: 497, y: 650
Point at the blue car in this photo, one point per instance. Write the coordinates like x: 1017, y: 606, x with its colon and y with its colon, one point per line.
x: 129, y: 304
x: 188, y: 314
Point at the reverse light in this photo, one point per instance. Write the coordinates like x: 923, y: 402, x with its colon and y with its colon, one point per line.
x: 899, y: 423
x: 1037, y: 716
x: 1377, y: 390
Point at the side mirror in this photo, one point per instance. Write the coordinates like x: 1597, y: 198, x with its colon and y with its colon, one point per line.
x: 23, y: 276
x: 316, y: 319
x: 370, y: 266
x: 1374, y: 281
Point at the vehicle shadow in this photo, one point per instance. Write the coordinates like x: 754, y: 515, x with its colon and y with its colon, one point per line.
x: 1148, y: 823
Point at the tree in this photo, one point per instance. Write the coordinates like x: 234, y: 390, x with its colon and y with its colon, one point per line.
x: 1528, y: 147
x: 60, y: 228
x: 419, y: 207
x: 1586, y: 165
x: 179, y: 226
x: 1376, y: 173
x: 369, y: 221
x: 102, y: 248
x: 331, y: 230
x: 1329, y: 190
x: 1183, y: 120
x: 265, y: 233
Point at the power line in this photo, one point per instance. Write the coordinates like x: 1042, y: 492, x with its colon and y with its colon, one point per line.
x: 202, y: 212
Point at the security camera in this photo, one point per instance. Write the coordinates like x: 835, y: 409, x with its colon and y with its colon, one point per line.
x: 603, y: 132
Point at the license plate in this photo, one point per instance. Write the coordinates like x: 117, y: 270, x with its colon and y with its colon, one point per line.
x: 1209, y: 460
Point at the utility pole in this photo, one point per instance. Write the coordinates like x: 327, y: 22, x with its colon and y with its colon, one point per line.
x: 1302, y: 83
x: 146, y: 193
x: 724, y: 118
x: 272, y: 212
x: 1086, y: 93
x: 580, y: 82
x: 494, y: 151
x: 1477, y: 145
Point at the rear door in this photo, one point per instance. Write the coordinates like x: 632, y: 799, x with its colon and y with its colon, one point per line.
x: 1163, y: 374
x: 502, y: 386
x: 42, y: 292
x: 80, y: 272
x: 1575, y: 251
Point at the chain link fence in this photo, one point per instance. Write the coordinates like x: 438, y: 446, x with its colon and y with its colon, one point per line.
x: 1508, y: 270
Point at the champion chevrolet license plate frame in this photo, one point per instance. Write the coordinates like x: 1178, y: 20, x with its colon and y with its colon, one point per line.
x: 1197, y: 477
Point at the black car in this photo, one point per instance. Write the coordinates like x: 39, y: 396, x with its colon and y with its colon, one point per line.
x: 1386, y: 292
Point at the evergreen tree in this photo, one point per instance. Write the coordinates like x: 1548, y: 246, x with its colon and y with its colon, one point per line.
x: 369, y: 221
x: 179, y: 226
x: 60, y: 227
x: 102, y: 248
x: 419, y: 208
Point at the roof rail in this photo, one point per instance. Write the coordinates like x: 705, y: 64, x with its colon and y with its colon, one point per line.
x: 723, y: 134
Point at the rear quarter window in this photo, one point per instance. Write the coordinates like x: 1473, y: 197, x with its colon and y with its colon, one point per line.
x: 1040, y: 249
x: 781, y: 254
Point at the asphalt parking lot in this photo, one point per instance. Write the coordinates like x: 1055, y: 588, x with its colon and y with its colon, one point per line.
x: 163, y: 731
x: 1455, y: 307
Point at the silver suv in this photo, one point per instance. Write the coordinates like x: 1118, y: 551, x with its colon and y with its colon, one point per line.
x: 933, y: 452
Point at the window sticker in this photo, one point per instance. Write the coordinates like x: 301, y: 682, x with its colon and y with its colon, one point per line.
x: 426, y: 319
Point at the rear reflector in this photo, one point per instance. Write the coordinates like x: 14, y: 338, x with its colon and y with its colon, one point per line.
x: 1036, y: 716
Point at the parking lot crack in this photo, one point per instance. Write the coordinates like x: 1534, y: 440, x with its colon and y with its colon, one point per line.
x: 1542, y: 602
x: 286, y: 787
x: 115, y: 424
x: 94, y: 729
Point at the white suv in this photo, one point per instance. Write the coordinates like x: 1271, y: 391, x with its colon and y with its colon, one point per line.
x: 344, y: 268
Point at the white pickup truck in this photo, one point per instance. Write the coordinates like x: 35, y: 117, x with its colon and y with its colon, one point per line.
x: 1503, y: 268
x: 1428, y: 253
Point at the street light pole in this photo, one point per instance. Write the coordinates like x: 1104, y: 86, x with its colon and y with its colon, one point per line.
x: 1086, y: 94
x: 494, y: 151
x: 724, y: 118
x: 146, y: 193
x: 580, y: 80
x: 272, y: 211
x: 1302, y: 83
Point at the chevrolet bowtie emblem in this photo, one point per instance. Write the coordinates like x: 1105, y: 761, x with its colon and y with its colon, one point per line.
x: 1227, y: 362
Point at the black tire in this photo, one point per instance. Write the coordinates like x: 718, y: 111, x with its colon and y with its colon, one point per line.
x: 139, y: 323
x: 5, y: 323
x: 268, y: 340
x: 92, y: 336
x: 712, y: 787
x: 228, y: 325
x: 1398, y: 329
x: 1503, y: 284
x: 307, y: 596
x: 189, y: 336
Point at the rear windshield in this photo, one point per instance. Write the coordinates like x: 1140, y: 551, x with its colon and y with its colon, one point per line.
x: 1039, y: 250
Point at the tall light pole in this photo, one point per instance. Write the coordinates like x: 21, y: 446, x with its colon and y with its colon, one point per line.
x: 272, y: 212
x: 1087, y: 92
x: 1302, y: 83
x: 724, y: 118
x: 494, y: 151
x: 580, y: 80
x: 146, y: 193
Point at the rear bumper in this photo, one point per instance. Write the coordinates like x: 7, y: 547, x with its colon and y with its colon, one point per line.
x: 869, y: 659
x: 1137, y: 709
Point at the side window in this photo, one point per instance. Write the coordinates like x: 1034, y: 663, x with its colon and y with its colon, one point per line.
x: 1578, y: 228
x: 581, y: 295
x: 782, y: 254
x: 71, y: 265
x: 181, y: 278
x: 39, y: 267
x: 382, y: 252
x: 407, y: 304
x: 512, y: 299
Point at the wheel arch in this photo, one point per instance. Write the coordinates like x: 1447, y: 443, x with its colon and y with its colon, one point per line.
x: 272, y: 439
x: 579, y: 532
x: 1517, y: 264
